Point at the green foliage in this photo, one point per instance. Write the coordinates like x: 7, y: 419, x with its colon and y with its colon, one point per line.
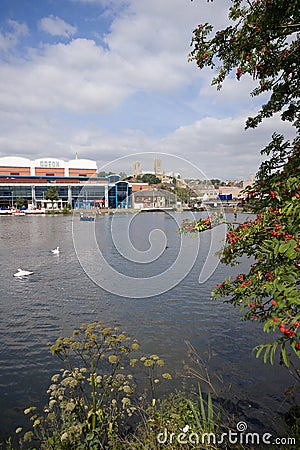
x: 148, y: 178
x: 269, y: 292
x: 123, y: 175
x: 151, y: 364
x: 51, y: 194
x: 7, y: 445
x: 182, y: 193
x: 20, y: 202
x: 104, y: 174
x: 195, y: 226
x: 263, y: 42
x: 67, y: 209
x: 204, y: 416
x: 176, y: 418
x: 91, y: 399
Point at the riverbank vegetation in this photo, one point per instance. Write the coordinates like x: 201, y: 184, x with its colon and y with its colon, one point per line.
x: 96, y: 402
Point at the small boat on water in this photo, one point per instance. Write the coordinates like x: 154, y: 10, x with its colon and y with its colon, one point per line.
x: 87, y: 218
x: 18, y: 212
x: 22, y: 273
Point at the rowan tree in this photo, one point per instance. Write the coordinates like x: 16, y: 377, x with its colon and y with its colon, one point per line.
x: 262, y: 41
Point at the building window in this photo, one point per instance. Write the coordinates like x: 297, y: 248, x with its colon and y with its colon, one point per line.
x: 49, y: 174
x: 15, y: 173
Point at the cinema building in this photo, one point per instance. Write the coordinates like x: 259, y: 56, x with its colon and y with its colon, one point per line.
x: 76, y: 182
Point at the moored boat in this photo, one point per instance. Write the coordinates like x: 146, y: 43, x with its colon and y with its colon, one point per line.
x: 87, y: 218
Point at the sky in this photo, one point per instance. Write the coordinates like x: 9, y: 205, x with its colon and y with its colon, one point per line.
x: 110, y: 80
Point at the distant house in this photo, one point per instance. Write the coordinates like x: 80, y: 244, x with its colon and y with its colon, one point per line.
x: 154, y: 198
x: 202, y: 192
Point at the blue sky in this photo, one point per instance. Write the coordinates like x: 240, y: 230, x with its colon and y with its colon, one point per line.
x: 110, y: 79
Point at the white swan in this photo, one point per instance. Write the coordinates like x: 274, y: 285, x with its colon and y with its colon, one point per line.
x: 55, y: 251
x: 22, y: 273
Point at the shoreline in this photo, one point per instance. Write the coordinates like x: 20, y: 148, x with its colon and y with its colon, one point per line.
x: 99, y: 212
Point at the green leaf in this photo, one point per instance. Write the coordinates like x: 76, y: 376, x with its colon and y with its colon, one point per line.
x: 284, y: 247
x: 273, y: 350
x: 284, y: 354
x: 268, y: 325
x: 259, y: 350
x: 267, y: 351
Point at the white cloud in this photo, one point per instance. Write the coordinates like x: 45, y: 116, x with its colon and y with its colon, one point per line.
x: 56, y: 26
x: 135, y: 93
x: 74, y: 77
x: 10, y: 39
x: 147, y: 50
x: 221, y: 148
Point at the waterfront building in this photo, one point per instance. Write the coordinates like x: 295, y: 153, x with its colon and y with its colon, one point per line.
x: 50, y: 167
x: 76, y: 182
x: 236, y: 190
x: 154, y: 198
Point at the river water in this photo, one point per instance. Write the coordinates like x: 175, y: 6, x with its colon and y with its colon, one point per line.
x: 60, y: 296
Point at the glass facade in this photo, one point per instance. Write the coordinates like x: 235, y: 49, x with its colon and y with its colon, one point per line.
x: 115, y: 195
x: 120, y: 195
x: 9, y: 194
x: 91, y: 196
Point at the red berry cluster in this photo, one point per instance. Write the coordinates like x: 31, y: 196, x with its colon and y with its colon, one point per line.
x: 221, y: 286
x: 257, y: 311
x: 284, y: 53
x: 270, y: 276
x: 239, y: 73
x: 287, y: 329
x: 232, y: 237
x: 246, y: 283
x: 282, y: 234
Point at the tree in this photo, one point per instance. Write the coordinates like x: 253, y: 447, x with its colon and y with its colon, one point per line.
x: 52, y: 194
x: 149, y: 178
x: 263, y: 43
x: 215, y: 182
x: 182, y: 193
x: 20, y: 202
x: 104, y: 174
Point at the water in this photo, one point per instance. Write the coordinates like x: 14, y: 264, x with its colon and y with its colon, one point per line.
x: 60, y: 297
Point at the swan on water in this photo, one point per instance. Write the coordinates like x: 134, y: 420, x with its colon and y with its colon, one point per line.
x: 22, y: 273
x: 55, y: 251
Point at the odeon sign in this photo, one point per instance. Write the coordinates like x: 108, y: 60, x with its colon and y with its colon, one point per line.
x: 50, y: 163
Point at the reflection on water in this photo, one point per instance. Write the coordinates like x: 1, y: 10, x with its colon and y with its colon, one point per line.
x: 60, y: 297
